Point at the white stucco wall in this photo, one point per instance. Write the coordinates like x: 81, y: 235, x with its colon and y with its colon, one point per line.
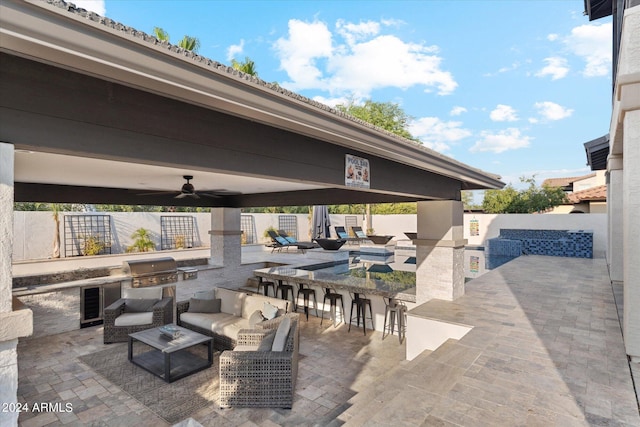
x: 33, y: 231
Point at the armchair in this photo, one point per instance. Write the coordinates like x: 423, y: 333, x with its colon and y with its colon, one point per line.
x: 137, y: 310
x: 253, y: 378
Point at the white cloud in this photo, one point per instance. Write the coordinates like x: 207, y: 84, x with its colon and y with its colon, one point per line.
x: 332, y: 102
x: 592, y: 43
x: 437, y: 134
x: 552, y: 37
x: 508, y: 139
x: 350, y: 60
x: 503, y: 113
x: 457, y: 110
x: 96, y: 6
x: 556, y: 67
x: 552, y: 111
x: 235, y: 49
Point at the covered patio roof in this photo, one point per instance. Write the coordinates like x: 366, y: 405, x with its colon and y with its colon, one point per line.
x: 102, y: 113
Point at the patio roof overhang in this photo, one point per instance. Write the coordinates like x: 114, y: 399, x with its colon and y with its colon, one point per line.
x: 100, y: 112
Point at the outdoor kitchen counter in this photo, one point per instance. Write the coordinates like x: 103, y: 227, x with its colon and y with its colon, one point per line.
x: 44, y: 288
x: 339, y: 281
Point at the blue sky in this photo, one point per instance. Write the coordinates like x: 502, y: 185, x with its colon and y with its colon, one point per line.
x: 510, y: 87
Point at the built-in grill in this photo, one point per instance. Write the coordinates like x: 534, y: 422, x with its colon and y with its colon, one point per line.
x: 151, y: 272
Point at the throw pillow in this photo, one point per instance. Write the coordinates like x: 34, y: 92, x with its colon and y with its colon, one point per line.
x: 204, y: 305
x: 269, y: 311
x: 267, y: 342
x: 281, y: 334
x: 255, y: 318
x: 139, y: 305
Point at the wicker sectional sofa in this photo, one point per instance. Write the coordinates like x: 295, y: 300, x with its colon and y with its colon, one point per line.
x: 235, y: 310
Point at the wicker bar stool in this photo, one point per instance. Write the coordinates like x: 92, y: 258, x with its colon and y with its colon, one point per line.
x: 265, y: 286
x: 394, y: 309
x: 306, y: 293
x: 360, y: 301
x: 284, y: 289
x: 333, y: 297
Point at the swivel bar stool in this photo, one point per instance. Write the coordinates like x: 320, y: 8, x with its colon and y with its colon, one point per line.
x: 333, y: 297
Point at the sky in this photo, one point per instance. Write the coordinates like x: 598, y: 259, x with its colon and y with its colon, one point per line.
x: 514, y: 88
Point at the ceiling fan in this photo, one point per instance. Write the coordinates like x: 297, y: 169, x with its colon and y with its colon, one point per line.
x: 188, y: 190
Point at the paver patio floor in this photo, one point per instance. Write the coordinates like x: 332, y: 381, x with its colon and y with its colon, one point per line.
x: 546, y: 349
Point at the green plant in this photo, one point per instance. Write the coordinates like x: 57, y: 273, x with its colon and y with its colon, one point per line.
x: 142, y: 242
x: 92, y: 245
x: 180, y: 241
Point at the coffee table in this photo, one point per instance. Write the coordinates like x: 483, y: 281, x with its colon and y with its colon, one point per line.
x: 170, y: 359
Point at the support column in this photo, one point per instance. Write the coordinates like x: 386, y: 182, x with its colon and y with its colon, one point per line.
x: 15, y: 319
x: 631, y: 233
x: 440, y: 251
x: 226, y: 245
x: 615, y: 209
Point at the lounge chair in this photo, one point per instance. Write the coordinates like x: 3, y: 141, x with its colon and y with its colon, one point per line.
x: 278, y: 243
x: 360, y: 235
x: 293, y: 241
x: 341, y: 232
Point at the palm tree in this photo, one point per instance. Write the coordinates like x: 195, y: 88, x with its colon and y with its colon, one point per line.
x: 247, y: 67
x: 188, y: 43
x: 142, y: 241
x: 161, y: 34
x: 55, y: 207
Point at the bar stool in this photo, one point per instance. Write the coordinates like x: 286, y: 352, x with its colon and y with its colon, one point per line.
x: 333, y: 297
x: 394, y: 309
x: 306, y: 292
x: 283, y: 290
x: 360, y: 301
x: 265, y: 285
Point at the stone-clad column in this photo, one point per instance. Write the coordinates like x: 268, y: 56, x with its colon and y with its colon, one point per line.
x: 440, y: 251
x: 15, y: 320
x: 226, y: 245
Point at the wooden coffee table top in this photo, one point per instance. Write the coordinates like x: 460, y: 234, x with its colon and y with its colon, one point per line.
x: 158, y: 340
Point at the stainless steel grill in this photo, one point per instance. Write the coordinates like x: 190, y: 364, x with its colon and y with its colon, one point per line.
x: 151, y: 272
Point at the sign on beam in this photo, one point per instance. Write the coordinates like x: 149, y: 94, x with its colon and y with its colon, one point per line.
x: 356, y: 172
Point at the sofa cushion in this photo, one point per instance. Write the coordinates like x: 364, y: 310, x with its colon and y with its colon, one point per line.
x: 218, y: 323
x: 282, y: 332
x: 267, y: 342
x: 210, y: 294
x: 134, y: 319
x: 204, y: 305
x: 154, y: 292
x: 139, y: 305
x: 231, y: 301
x: 256, y: 302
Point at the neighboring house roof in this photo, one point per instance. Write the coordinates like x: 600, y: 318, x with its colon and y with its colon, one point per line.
x: 565, y: 182
x: 593, y: 194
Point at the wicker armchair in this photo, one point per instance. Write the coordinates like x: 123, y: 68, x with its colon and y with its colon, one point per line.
x: 162, y: 315
x: 260, y: 378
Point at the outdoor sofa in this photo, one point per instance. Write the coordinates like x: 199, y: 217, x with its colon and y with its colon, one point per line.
x: 225, y: 312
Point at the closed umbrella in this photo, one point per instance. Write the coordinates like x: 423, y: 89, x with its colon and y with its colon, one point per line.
x: 321, y: 222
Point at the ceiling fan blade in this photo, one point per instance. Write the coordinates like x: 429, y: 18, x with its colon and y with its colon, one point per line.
x: 181, y: 196
x: 156, y: 193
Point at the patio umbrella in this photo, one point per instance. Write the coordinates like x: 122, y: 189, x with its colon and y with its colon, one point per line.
x: 321, y: 222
